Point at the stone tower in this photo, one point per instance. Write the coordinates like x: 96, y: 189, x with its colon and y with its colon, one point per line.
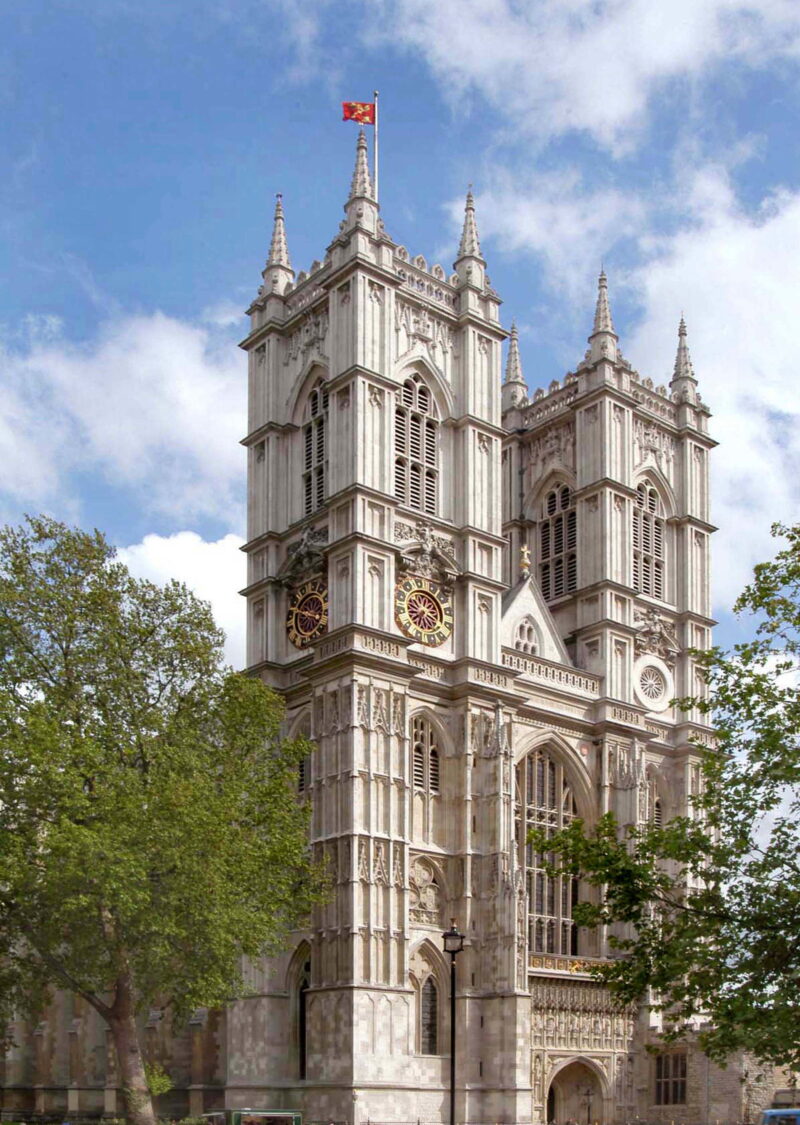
x: 479, y: 608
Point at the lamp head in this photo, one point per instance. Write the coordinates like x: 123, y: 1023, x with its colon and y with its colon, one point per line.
x: 453, y: 939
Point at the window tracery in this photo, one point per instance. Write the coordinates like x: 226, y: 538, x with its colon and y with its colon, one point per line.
x: 315, y: 450
x: 544, y: 800
x: 558, y: 544
x: 648, y: 543
x: 416, y: 482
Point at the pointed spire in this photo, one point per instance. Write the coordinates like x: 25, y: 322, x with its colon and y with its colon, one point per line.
x: 361, y: 184
x: 278, y: 272
x: 683, y: 378
x: 278, y: 249
x: 602, y: 312
x: 513, y: 363
x: 515, y: 389
x: 683, y: 361
x: 469, y: 246
x: 603, y: 339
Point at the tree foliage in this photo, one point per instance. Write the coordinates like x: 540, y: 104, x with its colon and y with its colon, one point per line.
x: 150, y: 833
x: 705, y: 911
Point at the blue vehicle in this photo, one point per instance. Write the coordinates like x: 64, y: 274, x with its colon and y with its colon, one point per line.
x: 788, y: 1115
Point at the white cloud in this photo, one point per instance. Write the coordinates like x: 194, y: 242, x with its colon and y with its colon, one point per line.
x: 214, y: 571
x: 559, y: 65
x: 570, y: 225
x: 151, y: 403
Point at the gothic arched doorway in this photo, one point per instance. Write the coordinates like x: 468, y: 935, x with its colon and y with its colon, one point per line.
x: 575, y: 1096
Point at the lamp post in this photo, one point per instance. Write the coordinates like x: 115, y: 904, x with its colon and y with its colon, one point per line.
x: 587, y: 1093
x: 453, y: 944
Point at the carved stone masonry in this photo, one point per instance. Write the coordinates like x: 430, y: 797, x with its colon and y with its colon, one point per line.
x: 305, y: 557
x: 426, y: 556
x: 426, y: 899
x: 556, y: 447
x: 656, y: 635
x: 650, y: 441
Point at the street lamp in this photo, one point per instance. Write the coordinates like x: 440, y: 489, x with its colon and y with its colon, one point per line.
x: 453, y: 944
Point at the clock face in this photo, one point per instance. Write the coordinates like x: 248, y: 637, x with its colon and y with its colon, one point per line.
x: 307, y: 618
x: 423, y: 610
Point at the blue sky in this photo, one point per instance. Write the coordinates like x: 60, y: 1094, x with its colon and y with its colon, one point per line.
x: 142, y: 143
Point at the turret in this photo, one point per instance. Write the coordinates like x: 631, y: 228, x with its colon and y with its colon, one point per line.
x: 515, y: 390
x: 603, y: 340
x: 683, y: 382
x: 361, y: 209
x: 278, y: 272
x: 470, y: 264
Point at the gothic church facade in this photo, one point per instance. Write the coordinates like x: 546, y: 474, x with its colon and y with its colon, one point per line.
x: 479, y: 606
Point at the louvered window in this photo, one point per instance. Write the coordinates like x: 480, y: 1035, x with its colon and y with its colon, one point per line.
x: 425, y: 755
x: 648, y: 543
x: 558, y: 545
x: 315, y: 450
x: 544, y: 800
x: 416, y: 483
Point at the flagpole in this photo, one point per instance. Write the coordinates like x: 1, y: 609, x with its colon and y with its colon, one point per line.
x: 375, y: 144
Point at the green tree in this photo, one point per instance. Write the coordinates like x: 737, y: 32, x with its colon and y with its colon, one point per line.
x: 150, y: 834
x: 707, y: 908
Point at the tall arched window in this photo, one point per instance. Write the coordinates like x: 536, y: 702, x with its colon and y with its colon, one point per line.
x: 544, y: 800
x: 558, y: 544
x: 426, y: 756
x: 429, y: 1018
x: 416, y: 482
x: 315, y: 449
x: 648, y: 543
x: 302, y: 1028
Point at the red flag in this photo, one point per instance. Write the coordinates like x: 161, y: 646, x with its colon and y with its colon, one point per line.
x: 362, y: 112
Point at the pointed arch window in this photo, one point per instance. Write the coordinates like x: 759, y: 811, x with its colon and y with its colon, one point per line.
x: 429, y: 1018
x: 544, y: 800
x: 648, y: 543
x: 315, y: 450
x: 416, y: 477
x: 558, y: 544
x: 303, y: 985
x: 425, y: 753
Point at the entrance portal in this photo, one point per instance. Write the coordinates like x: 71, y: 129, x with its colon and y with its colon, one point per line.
x: 575, y: 1097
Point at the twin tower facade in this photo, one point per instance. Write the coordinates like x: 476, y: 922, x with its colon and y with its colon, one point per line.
x: 479, y: 606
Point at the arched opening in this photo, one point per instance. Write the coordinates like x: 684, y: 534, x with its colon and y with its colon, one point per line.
x: 575, y: 1096
x: 302, y: 1027
x: 429, y: 982
x: 429, y: 1018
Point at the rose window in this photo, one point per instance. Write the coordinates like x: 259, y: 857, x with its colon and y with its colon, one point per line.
x: 652, y: 684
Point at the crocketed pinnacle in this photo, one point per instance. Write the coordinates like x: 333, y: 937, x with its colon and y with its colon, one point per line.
x: 683, y: 361
x: 361, y: 184
x: 513, y: 363
x: 278, y: 249
x: 469, y: 246
x: 602, y: 313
